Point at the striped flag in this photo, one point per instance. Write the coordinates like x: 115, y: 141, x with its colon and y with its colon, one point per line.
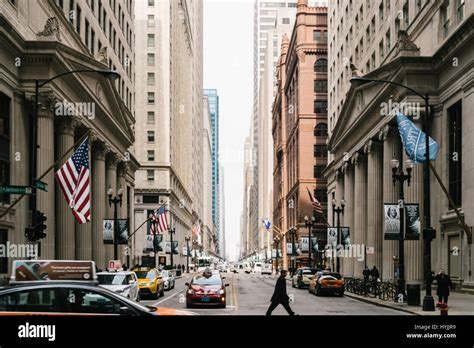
x: 159, y: 221
x: 315, y: 203
x: 197, y: 232
x: 74, y: 180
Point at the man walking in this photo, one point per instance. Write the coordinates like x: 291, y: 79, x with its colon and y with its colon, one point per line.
x: 375, y: 273
x: 444, y: 284
x: 280, y: 296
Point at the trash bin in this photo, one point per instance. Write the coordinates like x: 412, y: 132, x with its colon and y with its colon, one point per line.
x: 413, y: 294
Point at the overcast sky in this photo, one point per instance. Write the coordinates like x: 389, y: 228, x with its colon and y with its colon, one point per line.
x: 228, y: 67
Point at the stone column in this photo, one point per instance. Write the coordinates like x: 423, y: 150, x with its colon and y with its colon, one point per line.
x: 414, y: 248
x: 45, y: 153
x: 98, y: 203
x: 348, y: 218
x: 111, y: 182
x: 391, y: 140
x: 374, y: 151
x: 65, y: 235
x: 360, y: 211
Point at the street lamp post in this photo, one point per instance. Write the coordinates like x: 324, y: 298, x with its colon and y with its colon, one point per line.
x: 110, y: 74
x: 276, y: 254
x: 310, y: 225
x: 115, y: 200
x: 428, y: 231
x: 293, y: 251
x: 399, y: 175
x: 171, y: 231
x: 187, y: 239
x: 338, y: 211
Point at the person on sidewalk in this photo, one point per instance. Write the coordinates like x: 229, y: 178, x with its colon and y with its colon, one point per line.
x: 375, y: 273
x: 366, y: 274
x: 280, y: 296
x: 444, y: 284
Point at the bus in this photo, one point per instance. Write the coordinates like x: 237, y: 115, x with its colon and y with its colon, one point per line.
x: 202, y: 263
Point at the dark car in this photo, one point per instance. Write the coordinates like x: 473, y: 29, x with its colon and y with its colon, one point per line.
x: 206, y: 289
x: 302, y: 277
x: 326, y: 282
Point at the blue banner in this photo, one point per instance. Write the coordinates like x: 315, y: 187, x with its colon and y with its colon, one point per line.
x: 414, y: 139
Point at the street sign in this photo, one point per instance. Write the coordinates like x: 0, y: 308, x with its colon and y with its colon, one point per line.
x: 16, y: 190
x: 369, y: 250
x: 40, y: 185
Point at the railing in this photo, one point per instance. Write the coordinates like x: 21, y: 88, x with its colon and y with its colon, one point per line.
x: 384, y: 290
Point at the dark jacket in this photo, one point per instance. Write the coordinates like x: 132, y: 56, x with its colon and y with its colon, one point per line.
x: 375, y: 273
x: 366, y: 273
x: 444, y: 283
x: 279, y: 295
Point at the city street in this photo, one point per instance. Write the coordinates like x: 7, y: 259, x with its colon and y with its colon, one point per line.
x: 249, y: 294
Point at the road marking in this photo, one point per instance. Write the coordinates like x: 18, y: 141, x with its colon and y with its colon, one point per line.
x: 167, y: 298
x: 235, y: 296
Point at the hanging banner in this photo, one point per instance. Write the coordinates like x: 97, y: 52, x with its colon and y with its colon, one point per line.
x: 304, y: 244
x: 391, y: 221
x: 413, y: 222
x: 345, y: 236
x: 122, y: 231
x: 332, y: 237
x: 108, y: 231
x: 315, y: 245
x: 289, y: 248
x: 158, y: 239
x: 168, y: 247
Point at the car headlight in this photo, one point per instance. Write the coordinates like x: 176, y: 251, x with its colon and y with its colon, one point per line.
x: 148, y: 284
x: 190, y: 291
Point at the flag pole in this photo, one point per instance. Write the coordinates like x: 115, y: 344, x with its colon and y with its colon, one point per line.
x: 86, y: 134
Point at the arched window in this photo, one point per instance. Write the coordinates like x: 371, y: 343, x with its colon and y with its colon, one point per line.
x: 321, y: 130
x: 321, y: 66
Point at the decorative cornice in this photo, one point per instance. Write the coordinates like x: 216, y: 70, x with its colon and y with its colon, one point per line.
x: 384, y: 132
x: 51, y: 26
x: 102, y: 55
x: 66, y: 124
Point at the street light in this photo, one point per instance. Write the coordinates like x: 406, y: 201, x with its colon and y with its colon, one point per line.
x: 428, y: 231
x: 310, y: 225
x: 187, y: 239
x: 398, y: 175
x: 338, y: 211
x: 293, y: 251
x: 115, y: 200
x: 171, y: 231
x: 110, y: 74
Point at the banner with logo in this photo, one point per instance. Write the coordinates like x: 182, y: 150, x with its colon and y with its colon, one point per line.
x: 315, y: 245
x: 391, y: 221
x: 332, y: 236
x: 289, y: 248
x: 345, y: 236
x: 168, y: 247
x: 108, y: 231
x: 122, y: 231
x: 413, y: 222
x: 158, y: 239
x: 304, y: 244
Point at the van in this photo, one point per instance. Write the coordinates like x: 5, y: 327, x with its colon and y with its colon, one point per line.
x: 266, y: 268
x: 257, y: 267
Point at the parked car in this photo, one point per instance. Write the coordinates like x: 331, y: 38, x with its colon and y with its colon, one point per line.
x: 302, y: 277
x: 326, y: 282
x: 123, y: 283
x: 266, y: 268
x: 168, y: 279
x: 206, y: 289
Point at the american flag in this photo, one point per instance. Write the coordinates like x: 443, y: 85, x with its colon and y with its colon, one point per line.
x: 197, y: 232
x: 159, y: 221
x: 74, y: 180
x: 315, y: 203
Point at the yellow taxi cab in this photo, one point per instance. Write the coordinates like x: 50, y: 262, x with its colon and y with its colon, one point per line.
x: 150, y: 282
x: 67, y: 288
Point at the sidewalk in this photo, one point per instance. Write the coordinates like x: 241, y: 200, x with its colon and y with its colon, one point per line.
x: 459, y: 304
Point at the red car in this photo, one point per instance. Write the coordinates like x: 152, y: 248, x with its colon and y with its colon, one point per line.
x: 206, y: 290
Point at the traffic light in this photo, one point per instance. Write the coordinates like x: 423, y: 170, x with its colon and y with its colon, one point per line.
x: 30, y: 234
x: 40, y: 226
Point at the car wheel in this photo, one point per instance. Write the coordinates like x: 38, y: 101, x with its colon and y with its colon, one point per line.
x: 317, y: 292
x: 341, y: 294
x: 162, y: 292
x: 156, y: 295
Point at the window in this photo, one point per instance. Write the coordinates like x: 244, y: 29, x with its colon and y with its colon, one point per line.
x: 151, y: 79
x: 318, y: 172
x: 381, y: 13
x: 151, y: 59
x: 317, y: 36
x: 320, y: 107
x: 4, y: 146
x: 151, y: 21
x: 151, y: 40
x: 151, y: 155
x: 321, y: 195
x: 320, y: 86
x: 90, y: 301
x: 285, y: 21
x: 151, y: 137
x: 78, y: 20
x: 150, y: 174
x: 460, y: 9
x: 321, y: 66
x: 445, y: 18
x: 387, y: 42
x: 320, y: 151
x: 321, y: 130
x: 406, y: 18
x: 44, y: 300
x: 455, y: 153
x: 151, y: 98
x: 93, y: 42
x: 151, y: 117
x: 86, y: 32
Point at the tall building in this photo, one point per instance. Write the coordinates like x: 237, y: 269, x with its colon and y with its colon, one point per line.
x: 169, y: 119
x: 222, y: 235
x: 426, y: 45
x: 247, y: 243
x: 213, y: 99
x: 40, y: 41
x: 299, y: 124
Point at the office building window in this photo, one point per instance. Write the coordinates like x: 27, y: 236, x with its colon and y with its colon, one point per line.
x: 318, y: 172
x: 151, y: 2
x: 320, y: 107
x: 78, y: 20
x: 445, y: 19
x: 455, y: 153
x: 151, y: 79
x: 150, y: 174
x: 286, y: 20
x: 320, y: 151
x: 321, y: 130
x: 151, y: 137
x: 151, y: 59
x: 151, y: 155
x: 151, y: 98
x: 93, y: 42
x: 321, y: 195
x: 86, y: 33
x: 320, y: 86
x: 151, y: 117
x: 460, y: 9
x: 151, y: 40
x: 321, y: 66
x: 151, y: 21
x: 406, y: 15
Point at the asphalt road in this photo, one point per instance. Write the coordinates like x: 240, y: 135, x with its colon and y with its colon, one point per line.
x: 249, y: 294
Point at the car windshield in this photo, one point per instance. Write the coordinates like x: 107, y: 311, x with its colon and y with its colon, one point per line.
x: 201, y: 280
x: 309, y: 271
x: 164, y: 274
x: 331, y: 276
x: 113, y: 279
x: 145, y: 275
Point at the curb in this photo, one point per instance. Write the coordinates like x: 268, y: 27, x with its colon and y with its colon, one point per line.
x: 380, y: 304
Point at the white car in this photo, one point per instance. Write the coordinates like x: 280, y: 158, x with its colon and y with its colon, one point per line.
x: 169, y: 279
x: 124, y: 283
x: 266, y: 268
x: 257, y: 267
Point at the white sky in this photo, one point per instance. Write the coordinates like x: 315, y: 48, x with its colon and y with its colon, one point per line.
x: 228, y: 67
